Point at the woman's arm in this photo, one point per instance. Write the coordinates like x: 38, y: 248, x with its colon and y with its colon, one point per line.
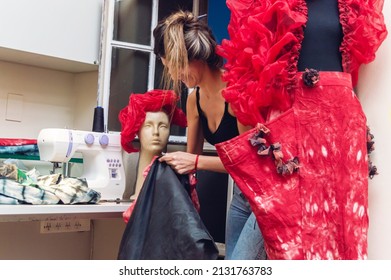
x: 184, y: 163
x: 242, y: 128
x: 195, y: 135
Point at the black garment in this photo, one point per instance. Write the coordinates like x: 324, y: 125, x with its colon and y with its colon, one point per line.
x: 164, y: 224
x: 322, y: 37
x: 212, y: 186
x: 227, y: 129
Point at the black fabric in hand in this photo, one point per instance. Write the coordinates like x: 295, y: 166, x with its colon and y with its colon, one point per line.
x: 164, y: 224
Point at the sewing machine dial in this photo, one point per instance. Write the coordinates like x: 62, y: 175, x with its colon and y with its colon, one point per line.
x: 104, y: 140
x: 89, y: 139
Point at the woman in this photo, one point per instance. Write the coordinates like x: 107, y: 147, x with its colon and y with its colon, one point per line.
x: 186, y: 47
x: 305, y: 168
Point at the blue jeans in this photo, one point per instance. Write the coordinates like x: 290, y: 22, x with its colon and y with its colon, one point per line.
x: 243, y: 239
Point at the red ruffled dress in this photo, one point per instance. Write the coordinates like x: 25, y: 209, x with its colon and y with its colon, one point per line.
x: 313, y: 205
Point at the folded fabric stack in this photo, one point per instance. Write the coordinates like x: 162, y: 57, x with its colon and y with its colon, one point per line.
x: 21, y: 187
x: 27, y: 147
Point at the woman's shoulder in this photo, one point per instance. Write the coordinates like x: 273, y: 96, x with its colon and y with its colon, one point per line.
x: 192, y: 95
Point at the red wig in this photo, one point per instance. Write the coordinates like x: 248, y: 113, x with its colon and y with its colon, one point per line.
x: 133, y: 116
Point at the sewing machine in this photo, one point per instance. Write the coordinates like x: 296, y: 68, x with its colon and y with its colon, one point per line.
x: 101, y: 152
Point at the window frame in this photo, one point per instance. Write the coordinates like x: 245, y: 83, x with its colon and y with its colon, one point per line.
x: 107, y: 46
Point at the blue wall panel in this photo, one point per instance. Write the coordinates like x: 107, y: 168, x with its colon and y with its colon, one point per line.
x: 218, y: 18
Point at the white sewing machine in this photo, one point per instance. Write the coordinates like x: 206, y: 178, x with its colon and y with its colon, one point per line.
x: 102, y: 159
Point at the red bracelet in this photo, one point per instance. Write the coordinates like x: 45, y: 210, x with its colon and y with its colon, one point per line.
x: 196, y: 163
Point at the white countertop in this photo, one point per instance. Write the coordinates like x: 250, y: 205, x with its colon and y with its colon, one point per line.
x: 21, y: 213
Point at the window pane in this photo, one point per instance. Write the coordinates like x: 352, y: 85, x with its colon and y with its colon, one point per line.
x: 167, y: 7
x: 132, y: 21
x: 129, y: 73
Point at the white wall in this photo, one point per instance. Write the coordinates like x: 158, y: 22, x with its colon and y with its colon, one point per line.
x: 49, y: 99
x: 86, y: 89
x: 374, y: 91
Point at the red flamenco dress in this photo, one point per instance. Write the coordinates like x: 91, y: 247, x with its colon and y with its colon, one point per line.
x: 303, y: 169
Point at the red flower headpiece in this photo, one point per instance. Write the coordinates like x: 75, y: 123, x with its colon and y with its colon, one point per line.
x: 133, y: 116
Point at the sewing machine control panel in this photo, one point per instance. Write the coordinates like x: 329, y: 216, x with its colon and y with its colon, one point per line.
x: 114, y: 164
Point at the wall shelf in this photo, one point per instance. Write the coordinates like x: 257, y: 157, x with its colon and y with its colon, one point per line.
x: 45, y: 61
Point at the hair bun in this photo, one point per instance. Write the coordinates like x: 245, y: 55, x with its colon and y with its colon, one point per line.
x: 181, y: 17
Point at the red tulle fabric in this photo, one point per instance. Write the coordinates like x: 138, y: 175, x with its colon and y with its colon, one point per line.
x: 364, y: 31
x: 264, y: 45
x: 133, y: 116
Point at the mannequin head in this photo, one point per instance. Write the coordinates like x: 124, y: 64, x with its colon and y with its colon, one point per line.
x: 132, y: 117
x: 149, y: 116
x: 154, y: 132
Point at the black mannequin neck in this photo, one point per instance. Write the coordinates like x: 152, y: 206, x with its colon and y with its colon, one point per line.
x: 322, y: 37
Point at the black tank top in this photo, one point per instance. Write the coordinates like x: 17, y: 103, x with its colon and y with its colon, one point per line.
x: 227, y: 129
x: 322, y: 37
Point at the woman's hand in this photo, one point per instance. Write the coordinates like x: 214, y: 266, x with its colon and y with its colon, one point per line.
x: 181, y: 162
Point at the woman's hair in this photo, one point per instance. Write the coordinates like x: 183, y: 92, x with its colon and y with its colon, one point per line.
x: 181, y: 38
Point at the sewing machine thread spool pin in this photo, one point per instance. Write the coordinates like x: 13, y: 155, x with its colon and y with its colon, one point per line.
x: 98, y: 122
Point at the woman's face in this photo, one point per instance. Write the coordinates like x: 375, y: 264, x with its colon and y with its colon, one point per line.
x: 191, y: 76
x: 154, y: 132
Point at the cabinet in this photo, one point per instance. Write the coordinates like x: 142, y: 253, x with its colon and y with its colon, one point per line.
x: 23, y: 240
x: 62, y: 34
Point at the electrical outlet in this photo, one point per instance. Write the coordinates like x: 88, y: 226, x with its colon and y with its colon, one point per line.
x: 56, y: 226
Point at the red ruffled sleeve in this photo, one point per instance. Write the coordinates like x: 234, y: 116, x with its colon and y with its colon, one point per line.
x: 261, y: 56
x: 364, y: 31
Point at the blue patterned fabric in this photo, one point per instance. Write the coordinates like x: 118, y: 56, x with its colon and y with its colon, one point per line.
x: 20, y: 187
